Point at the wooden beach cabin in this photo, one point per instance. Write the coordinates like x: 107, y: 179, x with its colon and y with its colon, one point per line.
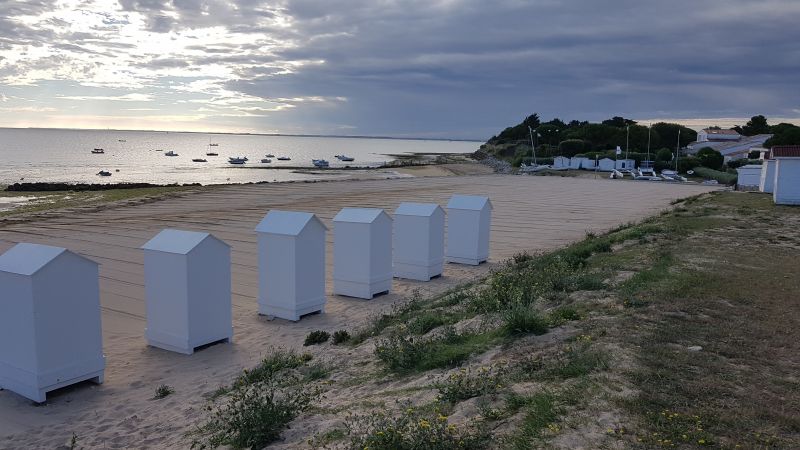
x: 767, y: 182
x: 625, y: 164
x: 291, y: 264
x: 469, y: 220
x: 606, y: 165
x: 362, y: 252
x: 749, y: 177
x: 575, y: 162
x: 588, y: 164
x: 786, y: 188
x: 418, y: 241
x: 50, y: 332
x: 561, y: 162
x: 187, y: 279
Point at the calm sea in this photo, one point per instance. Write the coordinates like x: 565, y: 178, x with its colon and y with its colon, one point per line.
x: 32, y: 155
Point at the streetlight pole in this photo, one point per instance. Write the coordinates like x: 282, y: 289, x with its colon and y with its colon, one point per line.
x: 627, y: 141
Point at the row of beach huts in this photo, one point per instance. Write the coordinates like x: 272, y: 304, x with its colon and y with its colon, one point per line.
x: 778, y: 175
x: 584, y: 163
x: 50, y: 325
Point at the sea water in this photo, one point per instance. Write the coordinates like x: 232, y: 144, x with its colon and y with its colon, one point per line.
x: 54, y: 155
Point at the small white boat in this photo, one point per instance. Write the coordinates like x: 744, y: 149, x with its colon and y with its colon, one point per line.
x: 170, y: 153
x: 236, y: 160
x: 283, y: 158
x: 98, y: 151
x: 671, y: 175
x: 104, y: 173
x: 345, y: 158
x: 266, y: 160
x: 269, y: 155
x: 616, y: 175
x: 320, y: 163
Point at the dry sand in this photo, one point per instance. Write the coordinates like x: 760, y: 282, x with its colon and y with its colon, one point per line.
x: 531, y: 214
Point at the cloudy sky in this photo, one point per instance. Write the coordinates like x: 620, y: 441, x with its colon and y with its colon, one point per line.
x: 427, y: 68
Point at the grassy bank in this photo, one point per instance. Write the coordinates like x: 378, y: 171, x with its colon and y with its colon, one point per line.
x: 41, y: 202
x: 678, y: 332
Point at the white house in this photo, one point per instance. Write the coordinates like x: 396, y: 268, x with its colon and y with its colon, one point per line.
x: 749, y: 177
x: 187, y: 279
x: 291, y: 264
x: 50, y: 332
x: 418, y: 243
x: 469, y: 220
x: 606, y: 165
x: 767, y: 181
x: 786, y: 188
x: 711, y: 134
x: 561, y: 162
x: 731, y: 149
x: 362, y: 252
x: 625, y: 164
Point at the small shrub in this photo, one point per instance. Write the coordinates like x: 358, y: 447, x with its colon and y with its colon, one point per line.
x: 340, y: 337
x: 316, y: 337
x: 465, y: 383
x: 426, y: 323
x: 405, y: 353
x: 540, y: 411
x: 254, y: 415
x: 278, y: 360
x: 563, y: 314
x: 412, y: 430
x: 579, y: 359
x: 317, y: 372
x: 523, y: 319
x: 163, y: 391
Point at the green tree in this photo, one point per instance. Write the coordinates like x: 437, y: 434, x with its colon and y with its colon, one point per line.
x: 756, y: 125
x: 619, y: 122
x: 668, y: 134
x: 572, y: 147
x: 710, y: 158
x: 664, y: 154
x: 787, y: 136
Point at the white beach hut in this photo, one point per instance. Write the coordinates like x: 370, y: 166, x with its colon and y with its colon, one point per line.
x: 588, y: 164
x: 291, y: 264
x: 561, y: 162
x: 625, y: 164
x: 767, y: 176
x: 418, y: 241
x: 362, y: 252
x: 786, y: 188
x: 187, y: 279
x: 605, y: 165
x: 575, y: 162
x: 50, y: 332
x: 469, y: 220
x: 749, y: 177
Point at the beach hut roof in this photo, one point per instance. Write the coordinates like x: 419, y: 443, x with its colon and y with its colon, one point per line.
x: 177, y: 241
x: 290, y: 223
x: 359, y: 215
x: 470, y: 202
x: 27, y: 259
x: 417, y: 209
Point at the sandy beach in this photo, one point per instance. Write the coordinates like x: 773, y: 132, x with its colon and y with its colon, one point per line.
x: 530, y: 214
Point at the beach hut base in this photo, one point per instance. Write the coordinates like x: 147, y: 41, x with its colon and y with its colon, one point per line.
x: 468, y: 261
x: 11, y: 380
x: 180, y: 344
x: 293, y: 314
x: 361, y: 290
x: 417, y: 272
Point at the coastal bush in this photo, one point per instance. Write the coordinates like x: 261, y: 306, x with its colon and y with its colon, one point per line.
x: 340, y: 337
x: 412, y: 430
x: 711, y: 174
x: 316, y: 337
x: 426, y: 322
x: 276, y: 361
x: 163, y: 391
x: 710, y: 158
x: 523, y: 319
x: 578, y: 360
x: 405, y: 353
x: 466, y: 383
x: 254, y: 415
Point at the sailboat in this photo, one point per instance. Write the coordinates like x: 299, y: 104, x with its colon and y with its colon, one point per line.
x: 528, y: 168
x: 672, y: 175
x: 646, y: 171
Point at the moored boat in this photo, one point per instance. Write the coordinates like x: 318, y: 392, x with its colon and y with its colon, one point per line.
x: 170, y: 153
x: 104, y: 173
x: 345, y: 158
x: 236, y: 160
x: 212, y: 154
x: 199, y: 160
x: 266, y: 160
x: 320, y: 163
x: 98, y: 151
x: 283, y: 158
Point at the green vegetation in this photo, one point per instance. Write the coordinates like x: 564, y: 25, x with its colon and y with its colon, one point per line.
x: 466, y: 383
x: 259, y: 405
x: 710, y: 158
x: 404, y: 353
x: 316, y: 337
x: 163, y: 391
x: 340, y: 337
x: 711, y: 174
